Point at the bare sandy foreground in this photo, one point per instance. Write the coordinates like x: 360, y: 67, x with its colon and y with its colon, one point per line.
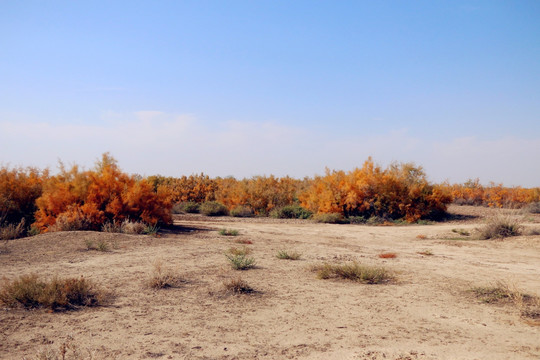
x: 428, y: 313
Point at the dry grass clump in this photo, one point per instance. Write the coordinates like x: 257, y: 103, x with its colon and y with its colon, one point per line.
x: 239, y: 251
x: 500, y: 227
x: 504, y: 293
x: 12, y: 231
x: 163, y: 278
x: 421, y: 236
x: 126, y: 227
x: 100, y: 245
x: 330, y: 218
x: 461, y: 232
x: 426, y: 252
x: 353, y: 271
x: 30, y: 292
x: 288, y: 255
x: 387, y: 255
x: 238, y: 286
x: 228, y: 232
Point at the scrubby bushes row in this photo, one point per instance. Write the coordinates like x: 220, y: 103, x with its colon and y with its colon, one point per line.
x: 399, y: 191
x: 472, y: 192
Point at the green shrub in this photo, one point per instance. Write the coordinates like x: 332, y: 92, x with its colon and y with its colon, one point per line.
x: 29, y: 292
x: 353, y: 271
x: 228, y: 232
x: 190, y: 207
x: 330, y: 218
x: 240, y: 262
x: 286, y: 255
x: 213, y: 208
x: 291, y: 212
x: 242, y: 211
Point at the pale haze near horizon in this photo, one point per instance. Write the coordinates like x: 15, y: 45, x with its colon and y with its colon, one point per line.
x: 273, y: 87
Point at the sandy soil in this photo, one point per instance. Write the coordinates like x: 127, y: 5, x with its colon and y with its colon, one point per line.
x: 427, y: 313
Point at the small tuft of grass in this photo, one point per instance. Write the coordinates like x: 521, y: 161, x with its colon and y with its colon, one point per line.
x: 241, y: 261
x: 101, y: 245
x: 426, y: 252
x: 421, y: 236
x: 163, y: 278
x: 503, y: 293
x: 31, y: 292
x: 151, y: 230
x: 228, y: 232
x: 354, y: 272
x: 286, y: 255
x: 238, y: 286
x: 239, y: 251
x: 387, y: 255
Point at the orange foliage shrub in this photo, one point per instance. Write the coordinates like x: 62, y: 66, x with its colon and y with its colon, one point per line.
x: 494, y: 195
x: 88, y: 199
x: 196, y: 188
x: 19, y: 188
x: 400, y: 191
x: 260, y: 193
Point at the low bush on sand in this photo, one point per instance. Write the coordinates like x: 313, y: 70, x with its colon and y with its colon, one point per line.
x: 500, y: 227
x: 29, y: 291
x: 213, y: 208
x: 353, y: 271
x: 288, y: 255
x: 238, y: 286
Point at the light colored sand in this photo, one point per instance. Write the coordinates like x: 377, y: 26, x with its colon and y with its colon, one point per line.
x: 427, y: 314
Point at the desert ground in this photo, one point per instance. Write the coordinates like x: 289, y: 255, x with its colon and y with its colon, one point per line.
x: 426, y: 312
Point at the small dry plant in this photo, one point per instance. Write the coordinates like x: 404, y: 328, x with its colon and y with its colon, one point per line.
x: 504, y: 293
x: 228, y: 232
x: 243, y: 241
x: 12, y: 231
x: 353, y: 271
x: 461, y: 232
x: 238, y: 286
x: 288, y: 255
x: 243, y: 251
x: 100, y: 245
x: 30, y: 292
x: 163, y: 278
x: 387, y: 255
x: 421, y: 236
x: 500, y: 226
x: 426, y: 252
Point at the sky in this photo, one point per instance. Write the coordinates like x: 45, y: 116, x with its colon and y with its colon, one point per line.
x: 245, y: 88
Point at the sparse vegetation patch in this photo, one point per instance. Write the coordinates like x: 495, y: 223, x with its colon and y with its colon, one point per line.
x: 229, y: 232
x: 238, y: 286
x: 500, y: 227
x: 241, y: 261
x: 353, y: 271
x: 29, y: 291
x: 288, y: 255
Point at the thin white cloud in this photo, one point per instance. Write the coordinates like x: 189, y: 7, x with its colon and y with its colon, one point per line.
x: 155, y: 142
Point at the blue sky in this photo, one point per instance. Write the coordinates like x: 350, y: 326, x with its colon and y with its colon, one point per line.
x: 249, y: 88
